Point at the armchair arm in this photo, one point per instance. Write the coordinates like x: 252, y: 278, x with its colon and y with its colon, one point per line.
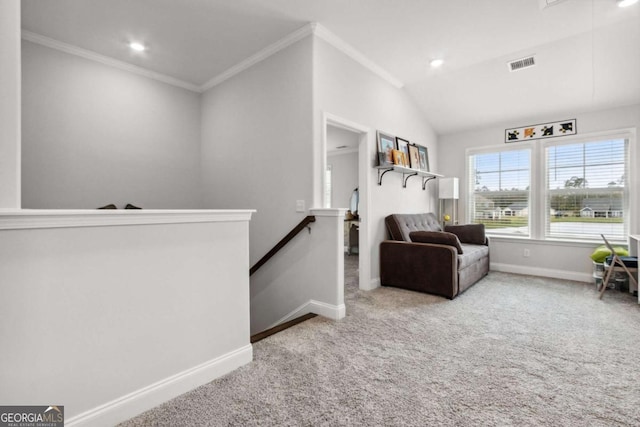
x: 424, y: 267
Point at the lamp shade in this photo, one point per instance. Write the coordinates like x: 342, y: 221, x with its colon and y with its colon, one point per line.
x: 448, y: 188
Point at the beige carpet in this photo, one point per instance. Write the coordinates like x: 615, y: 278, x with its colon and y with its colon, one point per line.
x: 512, y: 350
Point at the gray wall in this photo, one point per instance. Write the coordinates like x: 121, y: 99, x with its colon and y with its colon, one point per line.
x: 93, y: 135
x: 257, y: 154
x: 9, y: 104
x: 257, y: 144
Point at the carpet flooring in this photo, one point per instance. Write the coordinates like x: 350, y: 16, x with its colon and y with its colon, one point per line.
x: 511, y: 351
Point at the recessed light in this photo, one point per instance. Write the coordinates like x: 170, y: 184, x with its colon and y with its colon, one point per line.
x: 625, y: 3
x: 435, y: 63
x: 138, y: 47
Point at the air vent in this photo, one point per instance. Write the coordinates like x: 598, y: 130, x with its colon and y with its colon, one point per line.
x: 521, y: 64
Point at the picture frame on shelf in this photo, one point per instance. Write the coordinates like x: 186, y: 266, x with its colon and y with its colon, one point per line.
x: 399, y: 158
x: 414, y: 157
x: 386, y: 145
x: 424, y: 158
x: 403, y: 145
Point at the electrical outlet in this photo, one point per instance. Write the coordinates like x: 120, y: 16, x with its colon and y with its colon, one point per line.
x: 526, y: 253
x: 300, y: 206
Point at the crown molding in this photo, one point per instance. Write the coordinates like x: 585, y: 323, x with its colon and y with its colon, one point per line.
x: 93, y: 56
x: 268, y: 51
x: 326, y: 35
x: 309, y: 29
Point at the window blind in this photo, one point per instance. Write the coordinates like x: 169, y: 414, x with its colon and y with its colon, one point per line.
x: 585, y: 190
x: 499, y: 196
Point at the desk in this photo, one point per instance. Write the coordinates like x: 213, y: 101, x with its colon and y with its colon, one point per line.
x: 634, y: 249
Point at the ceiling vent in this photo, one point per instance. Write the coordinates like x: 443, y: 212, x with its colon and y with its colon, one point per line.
x: 521, y: 64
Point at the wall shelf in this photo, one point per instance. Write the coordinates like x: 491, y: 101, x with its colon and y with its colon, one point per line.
x: 406, y: 174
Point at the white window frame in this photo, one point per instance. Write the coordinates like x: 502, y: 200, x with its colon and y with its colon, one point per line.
x: 470, y: 189
x: 585, y: 140
x: 537, y: 218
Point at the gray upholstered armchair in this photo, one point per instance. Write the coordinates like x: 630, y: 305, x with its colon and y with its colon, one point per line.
x: 420, y: 256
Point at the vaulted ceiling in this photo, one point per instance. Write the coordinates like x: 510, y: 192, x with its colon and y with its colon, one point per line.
x: 587, y: 51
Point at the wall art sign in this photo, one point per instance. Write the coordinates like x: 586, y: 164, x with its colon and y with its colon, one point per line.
x: 542, y: 131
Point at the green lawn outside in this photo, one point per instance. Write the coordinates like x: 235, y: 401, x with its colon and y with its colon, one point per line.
x: 512, y: 221
x: 587, y: 219
x: 518, y: 221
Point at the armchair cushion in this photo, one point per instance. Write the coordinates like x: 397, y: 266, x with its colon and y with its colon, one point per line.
x: 473, y: 254
x: 438, y: 237
x: 468, y: 233
x: 400, y: 225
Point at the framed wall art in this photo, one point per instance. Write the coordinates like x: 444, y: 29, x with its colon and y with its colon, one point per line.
x: 541, y: 131
x: 403, y: 145
x: 414, y: 157
x: 399, y: 158
x: 386, y: 145
x: 424, y: 158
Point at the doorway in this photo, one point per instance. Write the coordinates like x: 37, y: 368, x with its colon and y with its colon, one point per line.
x: 345, y: 185
x: 342, y: 191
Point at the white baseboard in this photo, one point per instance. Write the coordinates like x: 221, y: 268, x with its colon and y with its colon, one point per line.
x: 141, y: 400
x: 334, y: 312
x: 323, y: 309
x: 543, y: 272
x: 375, y: 283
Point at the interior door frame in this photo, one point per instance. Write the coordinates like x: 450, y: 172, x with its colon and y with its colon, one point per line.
x: 366, y: 140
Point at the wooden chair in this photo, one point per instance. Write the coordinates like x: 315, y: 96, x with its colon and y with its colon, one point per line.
x: 616, y: 263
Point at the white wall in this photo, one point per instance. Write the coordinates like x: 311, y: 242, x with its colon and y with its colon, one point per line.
x: 94, y: 135
x: 112, y: 320
x: 257, y: 144
x: 344, y: 88
x: 567, y: 260
x: 344, y: 178
x: 10, y: 104
x: 306, y: 276
x: 257, y: 153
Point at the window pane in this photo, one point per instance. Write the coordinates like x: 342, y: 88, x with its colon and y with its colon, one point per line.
x: 586, y: 190
x: 500, y: 184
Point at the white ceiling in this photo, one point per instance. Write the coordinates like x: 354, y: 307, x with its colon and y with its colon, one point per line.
x: 587, y: 51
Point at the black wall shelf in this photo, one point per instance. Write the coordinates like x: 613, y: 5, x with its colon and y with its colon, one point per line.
x: 406, y: 174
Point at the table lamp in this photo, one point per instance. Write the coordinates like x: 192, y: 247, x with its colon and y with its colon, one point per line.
x: 448, y: 194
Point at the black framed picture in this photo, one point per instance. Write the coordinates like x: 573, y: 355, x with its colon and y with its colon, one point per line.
x: 386, y: 145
